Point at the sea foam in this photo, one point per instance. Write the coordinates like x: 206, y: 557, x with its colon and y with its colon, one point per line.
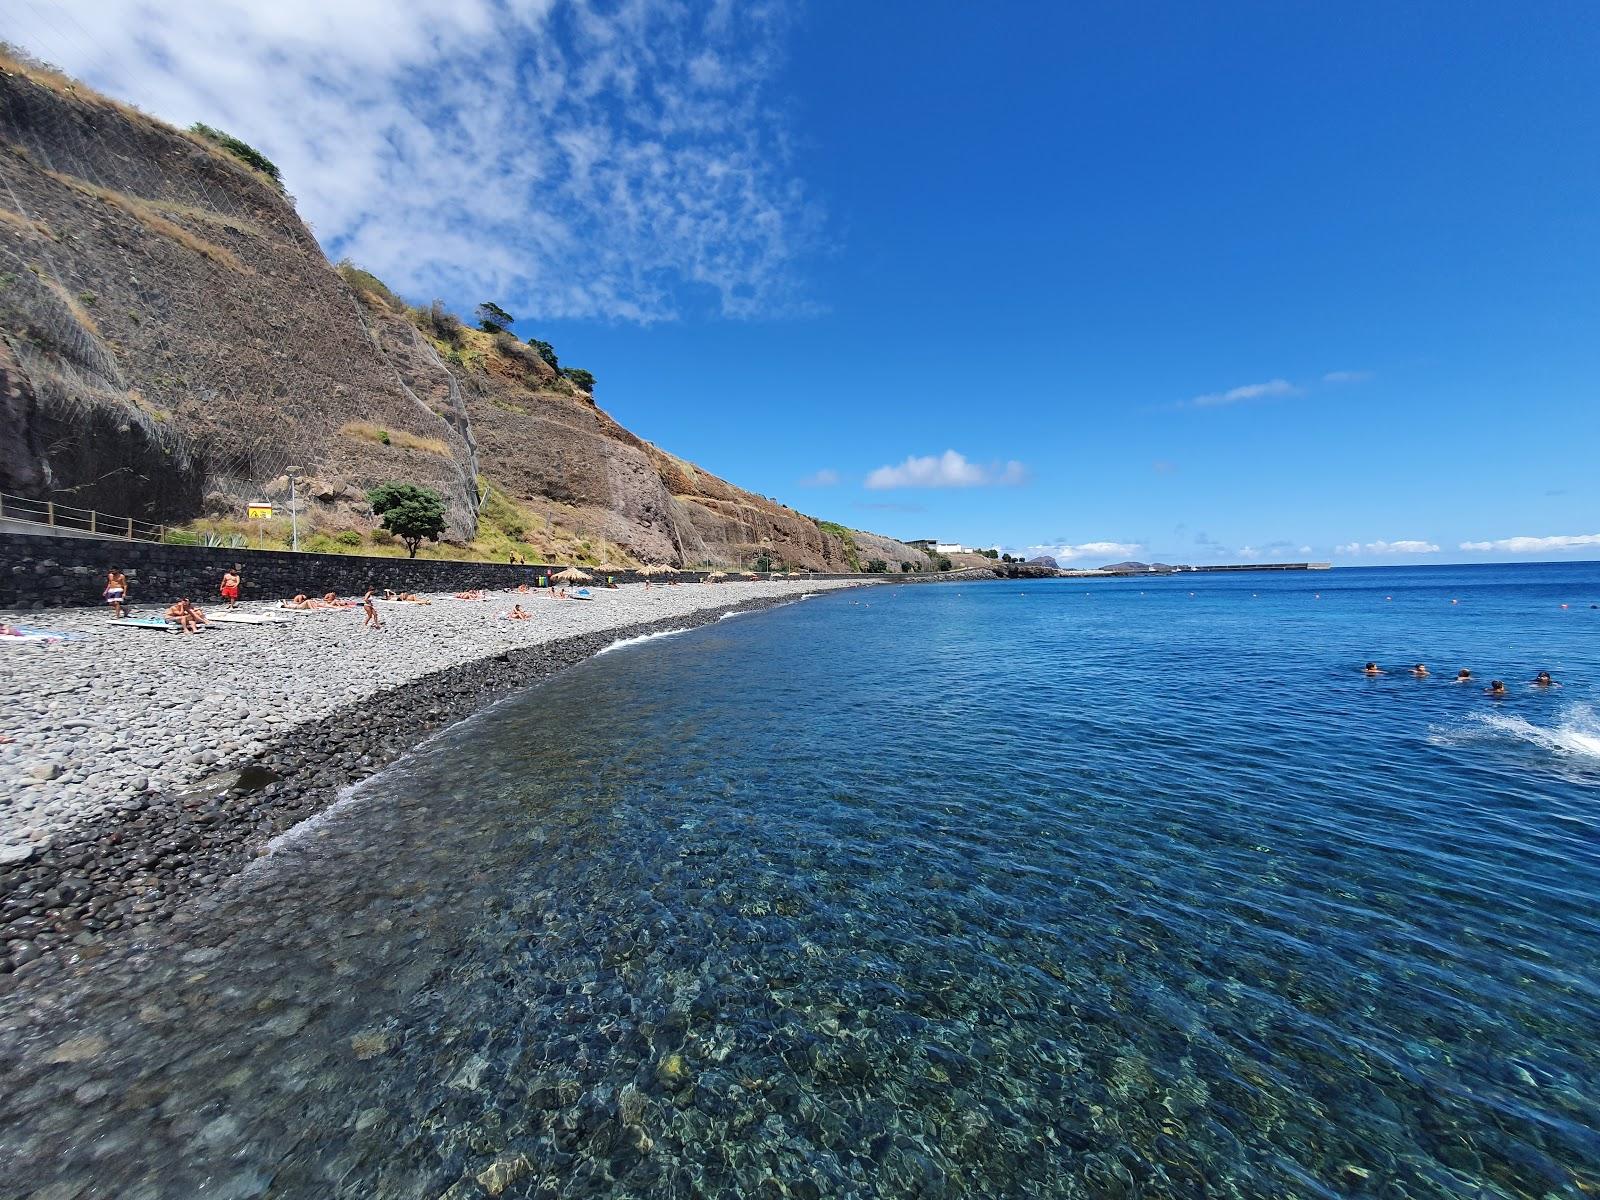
x: 1576, y: 733
x: 634, y: 641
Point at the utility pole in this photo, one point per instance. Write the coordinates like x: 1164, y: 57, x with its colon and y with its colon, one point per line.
x: 294, y: 512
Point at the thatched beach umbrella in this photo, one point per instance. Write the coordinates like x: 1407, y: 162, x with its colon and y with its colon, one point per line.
x: 572, y: 575
x: 610, y: 568
x: 749, y: 574
x: 716, y: 575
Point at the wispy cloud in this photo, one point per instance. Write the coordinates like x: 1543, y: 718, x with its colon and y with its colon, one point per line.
x: 826, y: 477
x: 947, y: 470
x: 1403, y: 546
x: 1537, y: 545
x: 567, y: 158
x: 1271, y: 389
x: 1099, y: 550
x: 1162, y: 466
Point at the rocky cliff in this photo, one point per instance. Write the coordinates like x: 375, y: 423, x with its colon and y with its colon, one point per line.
x: 173, y: 339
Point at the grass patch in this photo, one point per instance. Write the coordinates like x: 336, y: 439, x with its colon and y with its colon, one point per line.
x: 26, y: 225
x: 366, y: 432
x: 149, y: 215
x: 72, y: 304
x: 848, y: 537
x: 369, y: 287
x: 16, y: 61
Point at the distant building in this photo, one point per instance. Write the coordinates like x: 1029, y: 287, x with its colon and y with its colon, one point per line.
x: 950, y: 548
x: 923, y: 544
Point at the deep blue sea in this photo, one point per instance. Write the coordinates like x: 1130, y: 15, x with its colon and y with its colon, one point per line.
x: 1077, y: 888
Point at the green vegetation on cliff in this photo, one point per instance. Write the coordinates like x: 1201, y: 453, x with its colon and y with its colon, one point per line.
x: 848, y: 537
x: 243, y: 151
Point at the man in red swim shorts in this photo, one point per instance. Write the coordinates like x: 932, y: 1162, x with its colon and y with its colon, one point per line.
x: 230, y: 586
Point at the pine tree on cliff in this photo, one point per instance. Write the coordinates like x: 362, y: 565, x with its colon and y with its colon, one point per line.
x: 409, y: 512
x: 492, y: 318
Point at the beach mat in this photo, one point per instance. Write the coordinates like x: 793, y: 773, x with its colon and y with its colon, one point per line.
x: 239, y: 618
x: 142, y: 623
x: 23, y: 634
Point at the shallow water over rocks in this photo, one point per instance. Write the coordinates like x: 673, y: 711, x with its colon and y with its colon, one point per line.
x: 927, y: 892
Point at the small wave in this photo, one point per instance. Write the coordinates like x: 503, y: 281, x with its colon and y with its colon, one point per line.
x: 346, y: 798
x: 634, y: 641
x: 734, y: 612
x: 1575, y: 735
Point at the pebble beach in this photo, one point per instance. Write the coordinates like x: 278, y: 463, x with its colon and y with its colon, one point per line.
x: 140, y: 764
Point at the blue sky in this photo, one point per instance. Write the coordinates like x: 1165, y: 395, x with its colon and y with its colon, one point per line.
x: 1196, y: 283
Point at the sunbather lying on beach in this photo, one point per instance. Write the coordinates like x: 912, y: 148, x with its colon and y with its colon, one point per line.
x: 331, y: 600
x: 186, y: 615
x: 517, y: 613
x: 473, y: 594
x: 408, y: 597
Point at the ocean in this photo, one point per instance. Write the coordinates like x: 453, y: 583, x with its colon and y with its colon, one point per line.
x: 1077, y: 888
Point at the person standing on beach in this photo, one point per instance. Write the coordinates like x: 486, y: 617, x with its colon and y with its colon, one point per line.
x: 116, y: 591
x: 230, y: 586
x: 370, y: 607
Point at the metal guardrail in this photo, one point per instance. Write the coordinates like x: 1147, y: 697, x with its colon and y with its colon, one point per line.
x: 78, y: 520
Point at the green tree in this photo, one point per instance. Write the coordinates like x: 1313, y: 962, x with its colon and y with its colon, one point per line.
x: 876, y: 566
x: 579, y: 376
x: 409, y: 512
x: 492, y: 318
x: 546, y: 351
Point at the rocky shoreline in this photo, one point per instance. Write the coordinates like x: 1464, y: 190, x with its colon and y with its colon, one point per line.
x: 129, y: 866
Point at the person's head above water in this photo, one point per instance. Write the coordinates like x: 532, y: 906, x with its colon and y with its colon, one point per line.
x: 1420, y: 669
x: 1543, y: 679
x: 1372, y: 669
x: 1463, y: 674
x: 1496, y: 688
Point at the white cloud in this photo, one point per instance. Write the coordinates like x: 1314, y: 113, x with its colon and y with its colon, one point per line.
x: 1536, y: 545
x: 949, y: 469
x: 1305, y: 549
x: 1337, y: 377
x: 1104, y: 550
x: 566, y: 158
x: 1271, y: 389
x: 826, y: 477
x: 1404, y: 546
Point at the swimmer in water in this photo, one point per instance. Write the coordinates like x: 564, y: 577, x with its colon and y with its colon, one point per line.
x: 1495, y: 688
x: 1420, y: 670
x: 1463, y: 676
x: 1372, y: 669
x: 1542, y: 679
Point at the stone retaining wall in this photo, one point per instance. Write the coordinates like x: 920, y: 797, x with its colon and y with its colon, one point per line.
x: 60, y: 572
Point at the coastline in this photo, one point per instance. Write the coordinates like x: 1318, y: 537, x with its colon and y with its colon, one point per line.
x: 115, y: 869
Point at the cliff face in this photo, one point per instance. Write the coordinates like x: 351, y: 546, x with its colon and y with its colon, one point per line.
x: 179, y: 335
x: 174, y: 339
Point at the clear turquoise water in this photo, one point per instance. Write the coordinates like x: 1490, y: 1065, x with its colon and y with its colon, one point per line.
x: 1132, y: 888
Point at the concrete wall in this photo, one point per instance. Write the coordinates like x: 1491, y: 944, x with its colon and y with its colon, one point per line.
x: 59, y: 572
